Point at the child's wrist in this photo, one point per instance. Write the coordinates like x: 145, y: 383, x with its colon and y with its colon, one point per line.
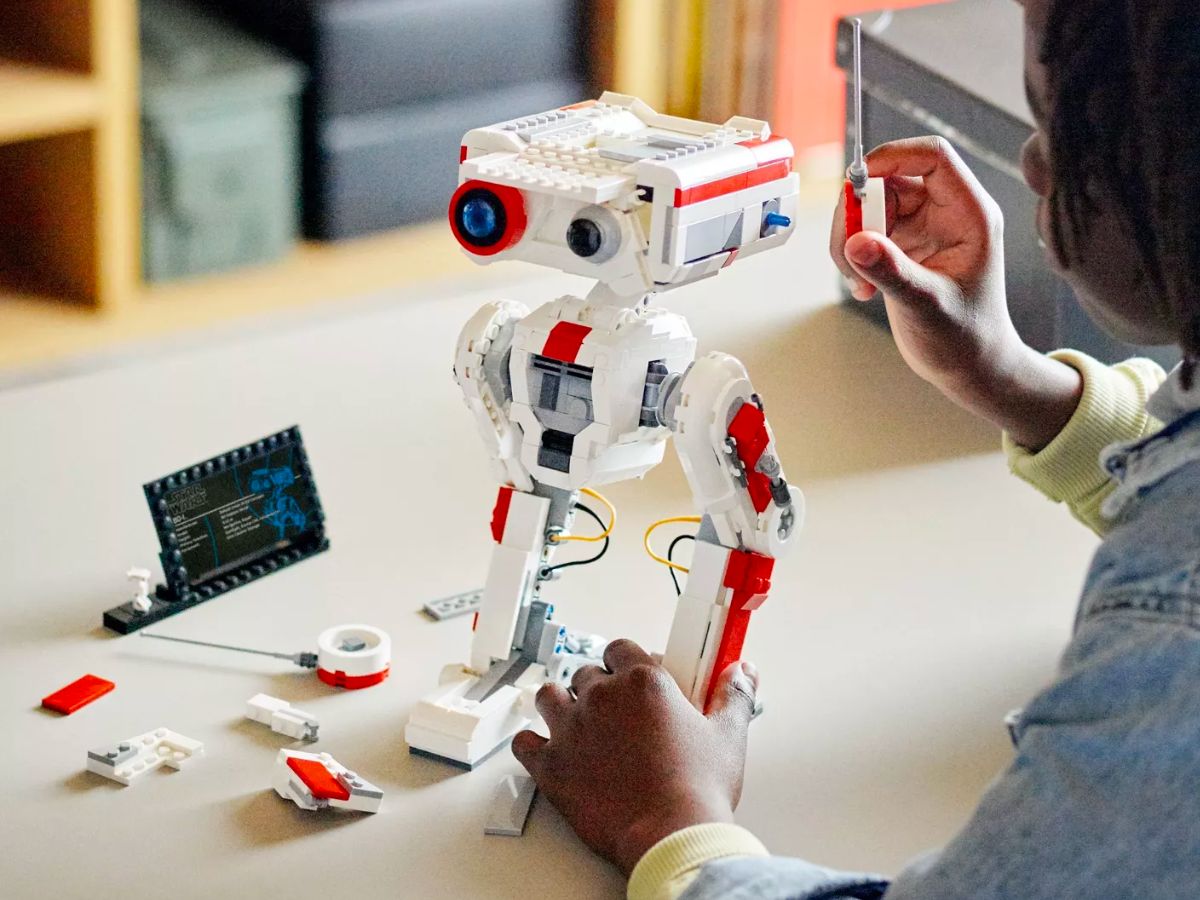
x: 648, y: 830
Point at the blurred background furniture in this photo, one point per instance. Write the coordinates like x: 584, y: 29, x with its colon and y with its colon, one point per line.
x: 220, y: 145
x: 390, y: 86
x: 956, y: 70
x: 395, y: 84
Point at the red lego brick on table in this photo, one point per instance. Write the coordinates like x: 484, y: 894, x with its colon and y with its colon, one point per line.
x: 77, y: 694
x: 318, y: 779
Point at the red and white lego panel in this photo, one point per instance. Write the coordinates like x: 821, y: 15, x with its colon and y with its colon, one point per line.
x: 711, y: 395
x: 129, y: 760
x: 318, y: 781
x: 353, y: 656
x: 519, y: 528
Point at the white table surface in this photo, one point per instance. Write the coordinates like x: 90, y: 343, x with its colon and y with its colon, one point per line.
x: 930, y: 593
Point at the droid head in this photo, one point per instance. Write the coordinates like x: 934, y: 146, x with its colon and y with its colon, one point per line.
x: 612, y: 190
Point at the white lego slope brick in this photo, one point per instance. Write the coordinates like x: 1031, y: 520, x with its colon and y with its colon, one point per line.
x: 525, y: 524
x: 704, y: 592
x: 282, y: 717
x: 508, y: 577
x: 511, y: 805
x: 466, y: 731
x: 131, y: 759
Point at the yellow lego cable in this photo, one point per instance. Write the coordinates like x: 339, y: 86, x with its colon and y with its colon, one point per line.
x: 590, y: 539
x: 695, y: 520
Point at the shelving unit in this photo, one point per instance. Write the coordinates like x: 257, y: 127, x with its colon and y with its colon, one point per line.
x: 70, y: 250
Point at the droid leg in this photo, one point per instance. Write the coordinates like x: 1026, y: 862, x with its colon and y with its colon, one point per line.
x: 750, y: 516
x: 723, y: 587
x: 516, y: 645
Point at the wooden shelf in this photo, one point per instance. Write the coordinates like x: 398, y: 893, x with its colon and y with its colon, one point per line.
x: 39, y: 102
x: 40, y: 330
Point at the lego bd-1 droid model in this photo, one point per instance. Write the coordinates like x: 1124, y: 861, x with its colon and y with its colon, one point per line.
x: 582, y: 392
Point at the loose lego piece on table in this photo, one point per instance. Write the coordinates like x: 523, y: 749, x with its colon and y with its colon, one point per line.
x: 77, y: 694
x: 511, y: 805
x: 457, y: 605
x: 132, y: 758
x: 348, y: 656
x: 282, y: 717
x: 318, y: 781
x: 353, y: 656
x: 226, y: 521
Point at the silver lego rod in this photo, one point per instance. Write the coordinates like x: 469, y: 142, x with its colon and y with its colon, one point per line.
x: 290, y: 657
x: 858, y: 168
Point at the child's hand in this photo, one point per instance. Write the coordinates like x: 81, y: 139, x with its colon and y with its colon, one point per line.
x: 941, y: 268
x: 631, y: 761
x: 941, y: 271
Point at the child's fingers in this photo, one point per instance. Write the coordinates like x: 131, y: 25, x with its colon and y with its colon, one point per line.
x: 732, y: 703
x: 527, y: 748
x: 879, y: 259
x: 552, y: 703
x: 932, y: 159
x: 625, y: 654
x: 906, y: 195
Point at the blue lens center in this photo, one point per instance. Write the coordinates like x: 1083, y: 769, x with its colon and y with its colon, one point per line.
x: 479, y: 218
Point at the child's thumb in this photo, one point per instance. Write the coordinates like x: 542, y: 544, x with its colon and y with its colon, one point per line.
x: 881, y: 262
x: 733, y: 697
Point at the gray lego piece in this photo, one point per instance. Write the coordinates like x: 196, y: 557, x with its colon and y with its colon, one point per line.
x: 713, y: 236
x: 511, y: 805
x: 113, y: 756
x: 457, y: 605
x: 489, y: 682
x: 535, y: 624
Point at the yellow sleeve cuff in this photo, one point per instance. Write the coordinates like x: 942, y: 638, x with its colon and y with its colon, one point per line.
x: 667, y: 868
x: 1111, y: 409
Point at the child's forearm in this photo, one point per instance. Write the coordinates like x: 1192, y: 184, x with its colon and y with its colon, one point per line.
x: 1029, y: 396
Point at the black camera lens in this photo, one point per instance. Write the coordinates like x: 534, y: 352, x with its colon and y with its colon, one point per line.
x: 480, y: 217
x: 585, y: 238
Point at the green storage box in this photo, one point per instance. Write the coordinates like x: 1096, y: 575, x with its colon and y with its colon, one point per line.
x: 220, y: 144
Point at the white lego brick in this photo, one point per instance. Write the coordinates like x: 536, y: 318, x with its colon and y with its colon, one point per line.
x: 310, y: 788
x: 874, y: 206
x: 454, y: 606
x: 509, y: 578
x: 525, y: 524
x: 282, y: 717
x: 131, y: 759
x: 511, y: 805
x: 690, y: 629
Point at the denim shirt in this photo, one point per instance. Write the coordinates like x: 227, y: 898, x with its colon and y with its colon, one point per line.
x: 1102, y: 799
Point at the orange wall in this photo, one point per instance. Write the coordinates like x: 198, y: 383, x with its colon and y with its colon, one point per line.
x: 809, y: 88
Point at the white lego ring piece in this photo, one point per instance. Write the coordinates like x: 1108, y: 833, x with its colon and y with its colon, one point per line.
x: 353, y: 656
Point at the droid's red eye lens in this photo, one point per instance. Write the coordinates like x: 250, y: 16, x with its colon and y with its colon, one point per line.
x: 487, y: 218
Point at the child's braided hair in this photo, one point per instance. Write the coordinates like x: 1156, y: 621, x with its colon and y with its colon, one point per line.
x: 1125, y: 123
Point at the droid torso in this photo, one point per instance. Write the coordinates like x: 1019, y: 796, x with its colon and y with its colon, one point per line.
x: 579, y: 376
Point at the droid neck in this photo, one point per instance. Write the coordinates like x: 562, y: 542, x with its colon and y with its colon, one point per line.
x: 603, y: 296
